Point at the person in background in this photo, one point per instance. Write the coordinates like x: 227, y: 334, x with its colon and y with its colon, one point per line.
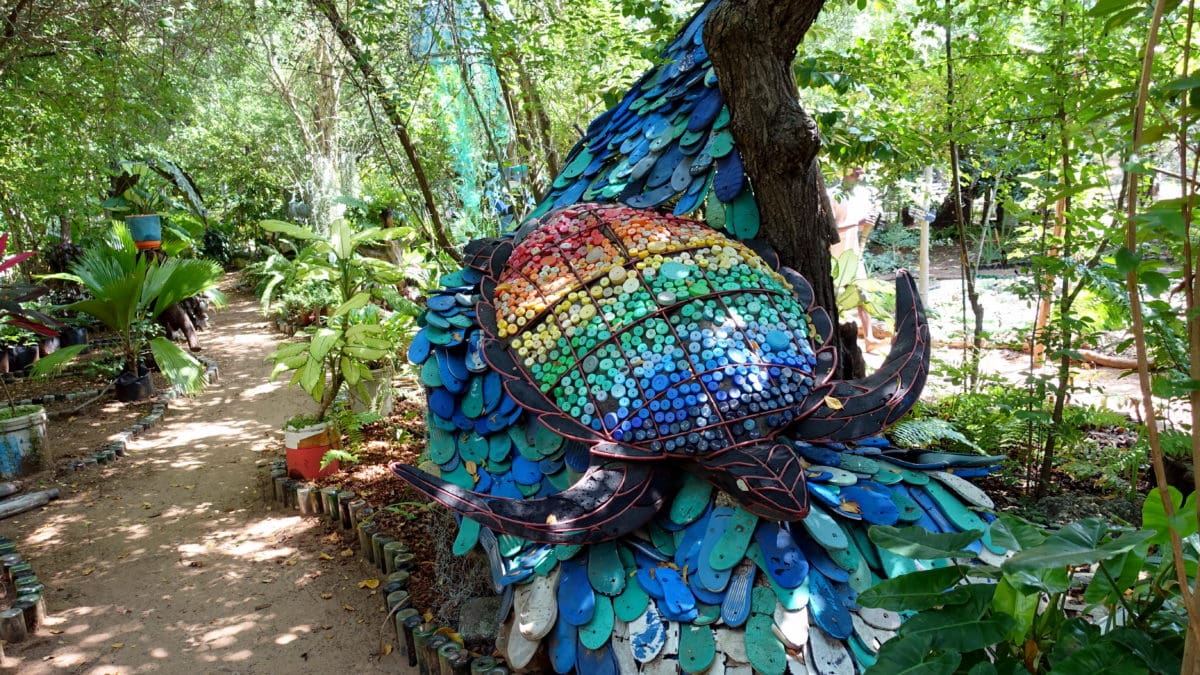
x: 855, y: 208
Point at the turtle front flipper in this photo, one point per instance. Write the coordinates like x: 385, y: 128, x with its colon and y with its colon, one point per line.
x: 608, y: 501
x: 767, y: 479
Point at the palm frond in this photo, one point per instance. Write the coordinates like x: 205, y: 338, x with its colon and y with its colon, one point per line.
x: 49, y: 366
x: 177, y: 279
x: 179, y: 367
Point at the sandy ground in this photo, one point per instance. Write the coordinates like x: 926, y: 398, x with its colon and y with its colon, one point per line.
x: 171, y: 560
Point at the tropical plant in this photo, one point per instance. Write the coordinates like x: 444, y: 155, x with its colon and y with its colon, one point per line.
x: 340, y: 352
x: 128, y: 291
x: 1023, y: 615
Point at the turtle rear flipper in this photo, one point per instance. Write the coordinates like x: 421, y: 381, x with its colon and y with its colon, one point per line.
x: 608, y: 501
x: 767, y: 479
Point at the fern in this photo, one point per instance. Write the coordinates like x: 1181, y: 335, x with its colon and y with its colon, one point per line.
x: 927, y: 432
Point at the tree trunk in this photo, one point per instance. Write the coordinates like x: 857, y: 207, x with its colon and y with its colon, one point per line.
x: 752, y: 44
x: 329, y: 9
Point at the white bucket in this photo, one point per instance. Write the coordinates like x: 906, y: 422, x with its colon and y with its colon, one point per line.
x: 21, y: 441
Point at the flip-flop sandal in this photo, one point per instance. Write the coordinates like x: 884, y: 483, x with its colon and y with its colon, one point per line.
x: 691, y: 501
x: 791, y: 627
x: 647, y: 635
x: 883, y: 619
x: 536, y: 606
x: 562, y: 647
x: 441, y: 446
x: 622, y: 649
x: 430, y: 375
x: 472, y: 447
x: 468, y: 535
x: 678, y: 602
x: 688, y: 542
x: 888, y: 476
x: 576, y: 599
x: 662, y: 540
x: 866, y: 547
x: 472, y: 400
x: 437, y: 320
x: 710, y: 578
x: 826, y: 655
x: 518, y: 651
x: 473, y: 359
x: 420, y: 348
x: 895, y: 565
x: 819, y: 455
x: 837, y: 476
x: 595, y: 633
x: 872, y: 638
x: 860, y: 464
x: 785, y: 562
x: 604, y: 569
x: 965, y: 489
x: 819, y: 560
x: 731, y: 547
x: 764, y: 651
x: 632, y: 601
x: 567, y: 551
x: 739, y: 596
x: 825, y: 608
x: 824, y: 529
x: 863, y: 657
x: 790, y: 598
x: 872, y: 501
x: 707, y: 614
x: 959, y: 515
x: 697, y: 648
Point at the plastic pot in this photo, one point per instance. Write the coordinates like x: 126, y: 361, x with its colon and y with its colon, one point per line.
x: 72, y: 336
x: 146, y: 230
x: 21, y: 440
x: 130, y: 388
x: 304, y: 449
x: 21, y: 357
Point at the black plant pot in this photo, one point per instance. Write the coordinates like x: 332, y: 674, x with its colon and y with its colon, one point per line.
x: 130, y: 388
x: 21, y: 357
x: 72, y: 336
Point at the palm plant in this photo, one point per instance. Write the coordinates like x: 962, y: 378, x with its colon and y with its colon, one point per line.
x: 128, y: 292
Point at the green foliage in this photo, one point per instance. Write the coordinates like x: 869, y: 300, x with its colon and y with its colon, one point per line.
x: 341, y: 351
x: 128, y: 291
x: 349, y: 423
x: 1015, y: 617
x: 926, y: 433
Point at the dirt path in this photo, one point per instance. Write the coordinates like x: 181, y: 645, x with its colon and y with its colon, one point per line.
x: 170, y: 560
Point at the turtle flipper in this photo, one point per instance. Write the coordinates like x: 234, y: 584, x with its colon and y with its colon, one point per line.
x: 767, y: 479
x: 609, y: 500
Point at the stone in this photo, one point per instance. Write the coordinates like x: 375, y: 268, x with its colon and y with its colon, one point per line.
x: 479, y: 618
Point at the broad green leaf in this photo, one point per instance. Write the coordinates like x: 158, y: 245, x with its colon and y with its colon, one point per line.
x: 1041, y: 580
x: 911, y: 655
x: 323, y: 341
x: 961, y: 628
x: 1154, y: 516
x: 917, y: 542
x: 1022, y: 607
x: 1141, y: 645
x: 288, y: 229
x: 312, y: 378
x: 1015, y: 533
x: 1124, y: 569
x: 1075, y: 544
x: 1126, y: 260
x: 918, y: 590
x: 359, y: 299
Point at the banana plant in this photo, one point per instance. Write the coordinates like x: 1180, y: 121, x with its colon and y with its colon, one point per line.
x: 128, y: 292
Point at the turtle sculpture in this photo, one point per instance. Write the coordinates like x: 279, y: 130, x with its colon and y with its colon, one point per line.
x: 633, y: 414
x: 661, y: 345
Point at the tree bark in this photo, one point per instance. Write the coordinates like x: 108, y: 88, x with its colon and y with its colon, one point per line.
x: 329, y: 9
x: 752, y: 44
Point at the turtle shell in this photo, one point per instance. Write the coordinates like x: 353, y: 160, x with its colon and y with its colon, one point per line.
x: 650, y: 331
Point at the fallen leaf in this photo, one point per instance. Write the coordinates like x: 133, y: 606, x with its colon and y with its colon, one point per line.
x: 346, y: 553
x: 55, y: 631
x: 326, y: 596
x: 369, y: 583
x: 348, y: 608
x: 325, y: 556
x: 122, y: 556
x: 291, y: 562
x: 88, y: 571
x: 118, y: 645
x: 387, y: 649
x: 833, y: 403
x: 146, y: 505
